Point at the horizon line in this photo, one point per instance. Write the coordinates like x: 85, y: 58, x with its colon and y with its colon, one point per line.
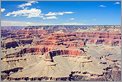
x: 72, y: 25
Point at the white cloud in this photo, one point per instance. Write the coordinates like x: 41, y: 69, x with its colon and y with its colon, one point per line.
x: 57, y: 13
x: 68, y: 12
x: 2, y: 9
x: 18, y: 23
x: 29, y: 13
x: 117, y: 3
x: 73, y: 23
x: 50, y: 17
x: 21, y: 23
x: 51, y: 14
x: 33, y: 12
x: 29, y: 3
x: 102, y: 6
x: 72, y: 18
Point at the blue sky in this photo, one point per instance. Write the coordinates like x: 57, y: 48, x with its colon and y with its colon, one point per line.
x: 76, y: 13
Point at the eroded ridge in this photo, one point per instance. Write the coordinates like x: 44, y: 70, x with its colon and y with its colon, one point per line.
x: 66, y: 53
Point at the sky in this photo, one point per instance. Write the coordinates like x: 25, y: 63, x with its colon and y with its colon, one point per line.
x: 22, y: 13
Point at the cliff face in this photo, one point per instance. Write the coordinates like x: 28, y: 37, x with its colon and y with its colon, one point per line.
x: 26, y: 36
x: 28, y: 46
